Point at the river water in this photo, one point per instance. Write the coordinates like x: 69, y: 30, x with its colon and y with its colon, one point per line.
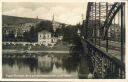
x: 44, y: 66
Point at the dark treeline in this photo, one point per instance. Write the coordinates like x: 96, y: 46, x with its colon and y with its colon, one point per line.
x: 69, y: 32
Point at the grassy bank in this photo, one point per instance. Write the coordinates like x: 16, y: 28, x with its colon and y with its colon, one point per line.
x: 60, y: 46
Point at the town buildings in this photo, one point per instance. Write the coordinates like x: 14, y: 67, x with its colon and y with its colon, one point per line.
x: 15, y: 30
x: 19, y: 32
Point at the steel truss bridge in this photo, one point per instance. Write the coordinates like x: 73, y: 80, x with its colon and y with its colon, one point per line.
x: 103, y: 38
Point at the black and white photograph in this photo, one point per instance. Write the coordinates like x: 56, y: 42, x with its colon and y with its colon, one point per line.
x: 63, y: 40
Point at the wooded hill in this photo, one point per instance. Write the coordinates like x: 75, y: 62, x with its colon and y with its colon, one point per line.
x: 13, y: 20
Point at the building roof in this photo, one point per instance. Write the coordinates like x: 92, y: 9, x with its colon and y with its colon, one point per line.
x: 44, y: 32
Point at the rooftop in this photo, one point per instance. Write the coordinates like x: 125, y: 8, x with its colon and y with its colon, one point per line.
x: 44, y: 32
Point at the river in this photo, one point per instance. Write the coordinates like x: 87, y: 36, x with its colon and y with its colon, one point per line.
x: 44, y: 66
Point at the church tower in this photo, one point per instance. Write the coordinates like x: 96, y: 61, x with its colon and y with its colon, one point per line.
x: 37, y: 17
x: 53, y: 23
x: 53, y: 18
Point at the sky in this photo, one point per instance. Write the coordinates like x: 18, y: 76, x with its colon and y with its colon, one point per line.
x: 69, y: 13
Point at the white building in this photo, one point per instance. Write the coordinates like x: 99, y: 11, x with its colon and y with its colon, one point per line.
x: 44, y: 37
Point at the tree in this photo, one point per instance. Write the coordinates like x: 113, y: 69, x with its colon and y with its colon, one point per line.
x: 26, y: 36
x: 44, y: 25
x: 68, y: 32
x: 32, y: 35
x: 11, y: 36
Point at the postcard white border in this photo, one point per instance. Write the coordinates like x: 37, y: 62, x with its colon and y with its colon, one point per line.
x: 68, y: 80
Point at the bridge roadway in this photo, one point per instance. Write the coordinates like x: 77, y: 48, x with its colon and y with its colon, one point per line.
x: 114, y: 48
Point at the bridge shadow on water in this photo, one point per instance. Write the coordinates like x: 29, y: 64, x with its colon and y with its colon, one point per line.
x: 77, y: 55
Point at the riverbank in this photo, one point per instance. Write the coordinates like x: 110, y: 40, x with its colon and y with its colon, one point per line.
x: 28, y: 51
x: 61, y: 46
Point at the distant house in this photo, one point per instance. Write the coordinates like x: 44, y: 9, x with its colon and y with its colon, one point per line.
x: 60, y: 37
x: 114, y: 32
x: 54, y: 39
x: 44, y: 37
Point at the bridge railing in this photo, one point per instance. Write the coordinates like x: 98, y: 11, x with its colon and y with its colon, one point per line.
x: 102, y: 64
x: 104, y: 32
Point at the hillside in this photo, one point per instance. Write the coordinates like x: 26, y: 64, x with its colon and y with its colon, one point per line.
x: 12, y: 20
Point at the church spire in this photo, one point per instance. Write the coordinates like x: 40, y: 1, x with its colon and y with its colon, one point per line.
x: 53, y: 18
x: 36, y: 17
x: 53, y: 23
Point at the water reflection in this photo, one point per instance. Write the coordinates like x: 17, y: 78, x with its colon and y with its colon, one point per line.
x: 72, y: 64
